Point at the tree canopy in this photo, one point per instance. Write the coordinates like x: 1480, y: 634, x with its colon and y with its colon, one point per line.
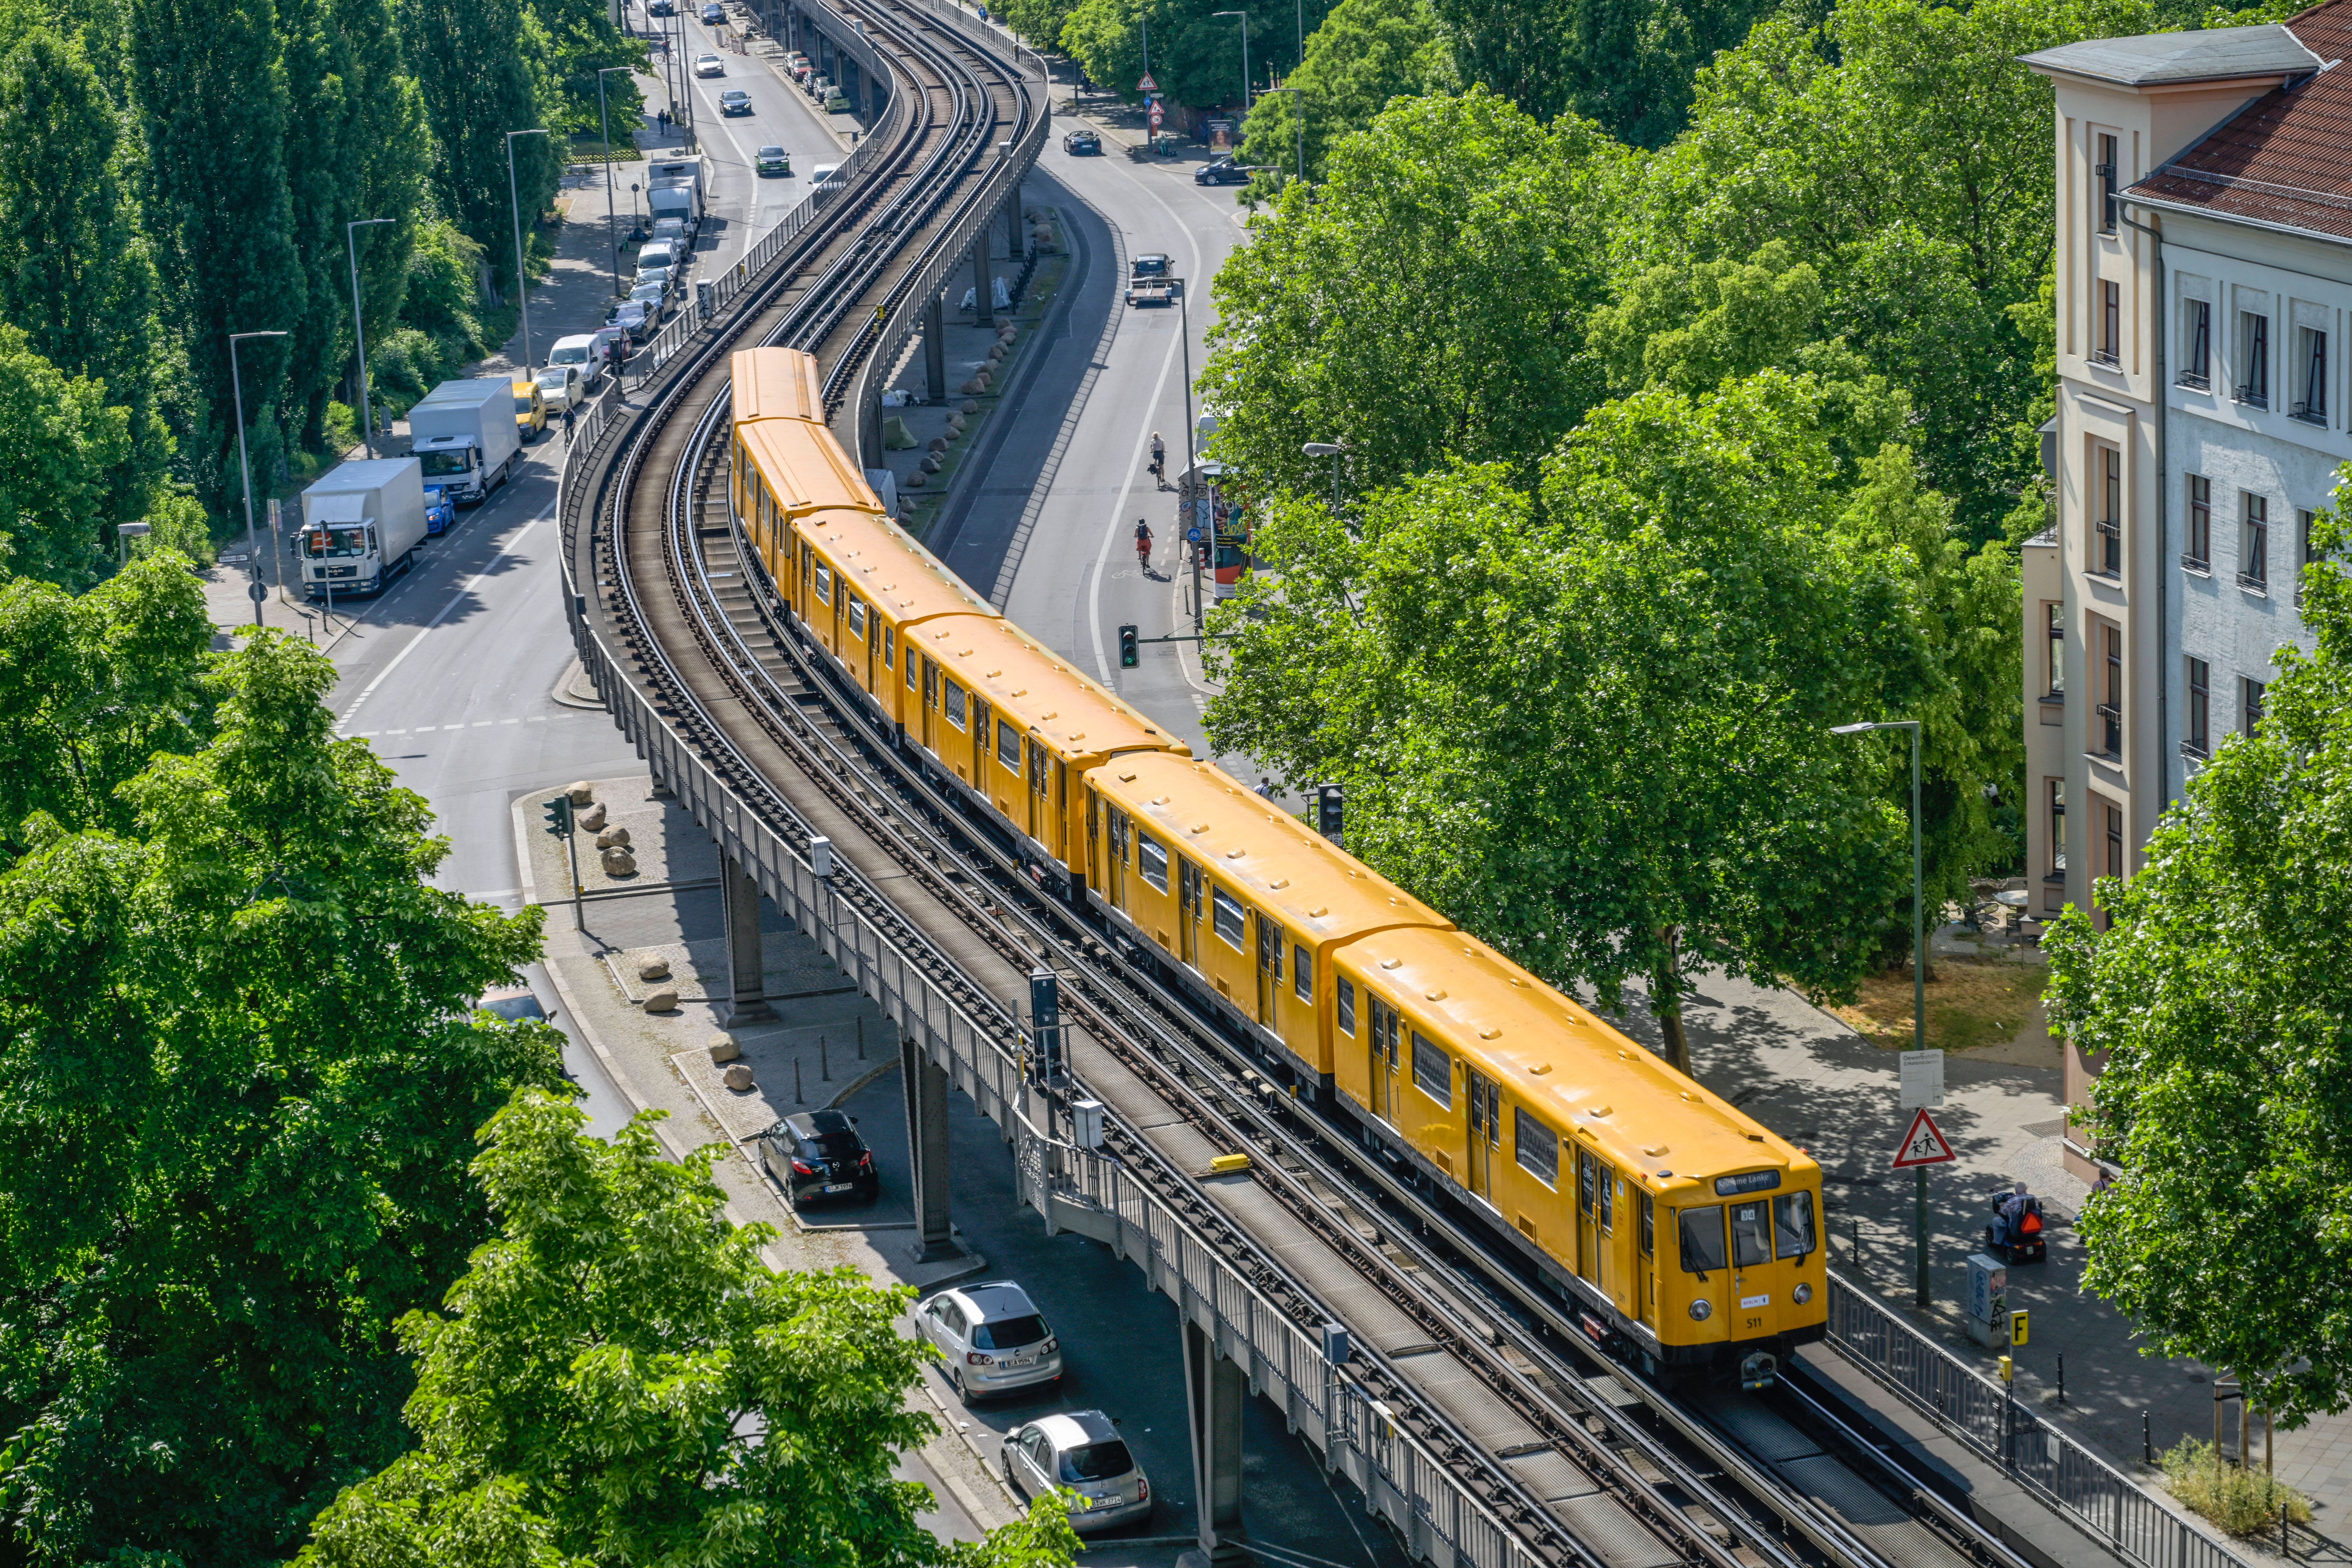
x: 2220, y: 1001
x: 619, y: 1377
x: 1365, y: 56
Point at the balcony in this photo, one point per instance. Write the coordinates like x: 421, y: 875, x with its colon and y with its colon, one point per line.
x: 2310, y: 413
x: 2253, y: 397
x: 2110, y: 563
x: 2111, y: 733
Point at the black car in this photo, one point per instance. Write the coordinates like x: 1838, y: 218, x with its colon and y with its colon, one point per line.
x: 818, y: 1154
x: 1082, y: 144
x: 1223, y: 171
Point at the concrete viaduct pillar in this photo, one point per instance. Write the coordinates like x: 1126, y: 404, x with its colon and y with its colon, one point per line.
x: 1213, y: 1393
x: 935, y: 349
x: 738, y: 903
x: 926, y: 1086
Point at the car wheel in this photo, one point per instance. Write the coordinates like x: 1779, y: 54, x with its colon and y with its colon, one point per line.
x: 955, y: 1380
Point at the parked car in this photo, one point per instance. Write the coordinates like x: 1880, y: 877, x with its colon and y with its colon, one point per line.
x: 674, y: 230
x: 660, y: 251
x: 610, y: 348
x: 1223, y: 171
x: 1081, y: 1454
x: 531, y: 410
x: 655, y: 297
x: 580, y: 352
x: 632, y: 318
x: 774, y: 161
x: 818, y: 1153
x: 561, y: 387
x: 667, y: 276
x: 1082, y: 143
x: 709, y: 64
x: 734, y: 100
x: 836, y: 102
x: 993, y: 1336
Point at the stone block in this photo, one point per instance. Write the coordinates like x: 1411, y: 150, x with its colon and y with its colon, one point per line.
x: 653, y: 969
x: 664, y: 1000
x: 619, y: 862
x: 579, y: 794
x: 723, y: 1049
x: 739, y: 1079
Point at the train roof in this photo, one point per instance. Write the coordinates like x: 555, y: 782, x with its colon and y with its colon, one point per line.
x: 777, y: 383
x: 1551, y: 1052
x: 889, y: 568
x: 1018, y: 677
x: 1318, y: 890
x: 805, y: 467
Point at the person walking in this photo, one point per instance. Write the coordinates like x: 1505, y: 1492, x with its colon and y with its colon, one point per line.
x: 1266, y: 786
x: 1158, y: 460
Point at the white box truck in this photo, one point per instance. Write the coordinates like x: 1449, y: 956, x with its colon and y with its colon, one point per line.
x: 362, y: 524
x: 680, y: 199
x: 465, y: 433
x: 689, y: 169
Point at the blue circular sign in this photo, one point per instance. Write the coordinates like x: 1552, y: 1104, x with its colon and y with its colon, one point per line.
x: 1191, y: 536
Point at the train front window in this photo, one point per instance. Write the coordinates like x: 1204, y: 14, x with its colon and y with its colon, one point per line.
x: 1751, y: 1234
x: 1703, y: 1248
x: 1792, y: 1225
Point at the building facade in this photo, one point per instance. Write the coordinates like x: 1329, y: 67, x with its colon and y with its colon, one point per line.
x: 2204, y: 295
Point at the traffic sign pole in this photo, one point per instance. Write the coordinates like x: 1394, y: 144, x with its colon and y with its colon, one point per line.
x: 1924, y: 1144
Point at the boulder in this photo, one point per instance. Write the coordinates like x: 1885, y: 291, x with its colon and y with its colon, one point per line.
x: 723, y: 1049
x: 611, y: 837
x: 619, y: 862
x: 973, y: 385
x: 980, y: 378
x: 655, y: 968
x: 931, y: 465
x: 739, y: 1079
x: 968, y: 406
x: 579, y: 794
x: 916, y: 481
x: 1003, y: 322
x: 940, y: 443
x: 995, y: 353
x: 591, y: 820
x: 662, y: 1002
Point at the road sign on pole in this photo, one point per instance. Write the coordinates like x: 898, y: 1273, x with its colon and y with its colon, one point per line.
x: 1155, y: 115
x: 1922, y: 1078
x: 1924, y: 1144
x: 1147, y: 84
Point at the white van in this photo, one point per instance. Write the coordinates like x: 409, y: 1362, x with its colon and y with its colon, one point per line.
x: 579, y: 352
x: 659, y: 253
x: 826, y: 177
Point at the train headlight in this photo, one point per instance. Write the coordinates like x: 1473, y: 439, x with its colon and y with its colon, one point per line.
x: 1803, y: 1292
x: 1702, y: 1311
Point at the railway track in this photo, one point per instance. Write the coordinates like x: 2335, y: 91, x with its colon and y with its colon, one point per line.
x: 703, y: 633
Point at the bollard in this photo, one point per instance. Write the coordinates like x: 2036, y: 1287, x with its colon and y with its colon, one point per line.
x: 861, y: 1037
x: 824, y: 1066
x: 2286, y: 1549
x: 797, y: 1098
x: 2061, y: 1377
x: 2146, y: 1443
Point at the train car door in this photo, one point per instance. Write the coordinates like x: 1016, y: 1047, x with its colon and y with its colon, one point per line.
x: 1645, y: 1266
x: 1384, y: 1062
x: 930, y: 703
x: 1117, y: 870
x: 1591, y: 1212
x: 1269, y: 970
x: 1035, y: 807
x: 1056, y: 809
x: 1486, y: 1131
x: 1191, y: 895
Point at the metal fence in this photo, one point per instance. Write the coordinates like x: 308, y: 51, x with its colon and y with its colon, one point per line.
x: 2088, y: 1490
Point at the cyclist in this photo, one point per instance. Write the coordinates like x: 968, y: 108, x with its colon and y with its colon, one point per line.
x: 1143, y: 545
x: 1158, y: 460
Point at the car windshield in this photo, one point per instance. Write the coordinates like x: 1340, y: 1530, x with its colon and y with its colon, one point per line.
x: 771, y: 152
x: 1009, y: 1333
x: 568, y: 353
x: 1097, y: 1462
x: 460, y: 461
x: 645, y: 293
x: 522, y: 402
x: 319, y: 541
x: 550, y: 381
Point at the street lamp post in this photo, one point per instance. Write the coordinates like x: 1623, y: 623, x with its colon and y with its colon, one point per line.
x: 359, y: 328
x: 522, y: 279
x: 1298, y: 124
x: 1184, y: 334
x: 245, y: 467
x: 1331, y: 449
x: 1919, y: 978
x: 1245, y: 76
x: 604, y: 121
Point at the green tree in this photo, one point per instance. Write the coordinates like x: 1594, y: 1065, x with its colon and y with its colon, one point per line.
x: 470, y: 50
x: 62, y: 454
x: 619, y: 1378
x: 2222, y: 1002
x: 1903, y: 154
x: 1589, y: 720
x: 1196, y: 55
x: 1626, y: 64
x: 241, y: 1082
x: 579, y: 41
x: 1365, y: 56
x: 210, y: 90
x: 1429, y: 302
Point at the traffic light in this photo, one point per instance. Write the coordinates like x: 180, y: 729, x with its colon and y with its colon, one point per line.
x: 1330, y: 800
x: 1127, y: 649
x: 558, y: 813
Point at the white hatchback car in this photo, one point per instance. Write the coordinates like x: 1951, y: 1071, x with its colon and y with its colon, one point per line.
x: 709, y: 64
x: 1081, y: 1455
x: 561, y: 387
x: 991, y: 1337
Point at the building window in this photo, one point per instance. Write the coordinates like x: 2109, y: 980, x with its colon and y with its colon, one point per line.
x: 2253, y: 359
x: 2114, y: 815
x: 2108, y: 559
x: 2311, y: 395
x: 2197, y: 340
x: 2106, y: 171
x: 2253, y: 705
x: 2198, y: 742
x: 2057, y: 793
x: 2199, y: 556
x: 2054, y: 644
x: 2111, y: 709
x: 2254, y: 532
x: 2111, y: 324
x: 2301, y: 551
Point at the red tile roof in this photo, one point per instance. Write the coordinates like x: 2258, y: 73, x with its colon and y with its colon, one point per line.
x: 2286, y: 158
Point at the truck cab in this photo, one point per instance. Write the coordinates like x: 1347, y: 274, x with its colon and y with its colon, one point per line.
x: 453, y: 468
x: 1151, y: 281
x: 362, y: 524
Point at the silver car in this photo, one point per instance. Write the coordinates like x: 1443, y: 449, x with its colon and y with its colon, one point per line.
x: 1081, y: 1455
x: 991, y: 1337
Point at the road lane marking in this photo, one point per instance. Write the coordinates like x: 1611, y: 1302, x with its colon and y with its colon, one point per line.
x: 442, y: 614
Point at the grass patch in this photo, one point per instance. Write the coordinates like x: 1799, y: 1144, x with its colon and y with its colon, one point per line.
x: 1970, y: 1003
x: 2238, y: 1502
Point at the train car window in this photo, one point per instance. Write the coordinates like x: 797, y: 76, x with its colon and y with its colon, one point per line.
x: 1008, y: 746
x: 1347, y: 1005
x: 1608, y: 1198
x: 1227, y: 917
x: 1584, y: 1180
x: 911, y: 662
x: 1648, y: 1227
x: 1792, y: 1225
x: 824, y: 584
x: 1702, y: 1234
x: 1433, y: 1070
x: 889, y: 645
x: 1302, y: 973
x: 953, y: 700
x: 1117, y: 836
x: 1535, y: 1146
x: 1151, y: 860
x: 857, y: 617
x: 1751, y: 1234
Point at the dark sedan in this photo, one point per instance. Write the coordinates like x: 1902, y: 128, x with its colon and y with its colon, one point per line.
x: 818, y: 1154
x: 1223, y: 171
x: 1082, y: 144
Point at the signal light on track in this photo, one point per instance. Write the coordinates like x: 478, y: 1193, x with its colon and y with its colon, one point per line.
x: 1330, y: 802
x: 558, y: 813
x: 1127, y: 653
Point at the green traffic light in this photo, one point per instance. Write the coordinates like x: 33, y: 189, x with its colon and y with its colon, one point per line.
x: 1127, y: 657
x: 559, y: 815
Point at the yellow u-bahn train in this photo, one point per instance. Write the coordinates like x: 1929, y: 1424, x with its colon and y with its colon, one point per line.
x: 1684, y: 1234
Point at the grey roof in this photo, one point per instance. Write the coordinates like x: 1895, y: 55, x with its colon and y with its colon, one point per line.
x: 2158, y: 59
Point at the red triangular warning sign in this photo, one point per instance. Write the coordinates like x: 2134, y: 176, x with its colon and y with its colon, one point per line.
x: 1924, y: 1144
